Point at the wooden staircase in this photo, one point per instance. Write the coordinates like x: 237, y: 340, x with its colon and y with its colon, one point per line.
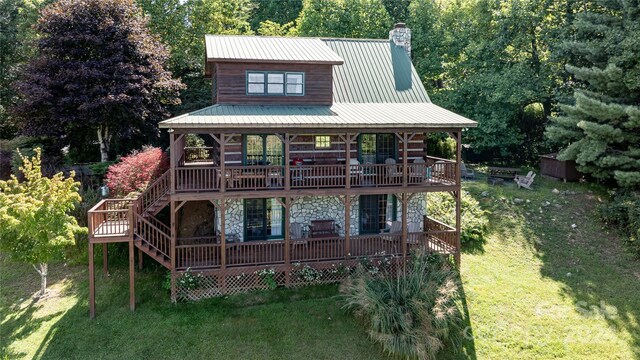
x: 150, y: 234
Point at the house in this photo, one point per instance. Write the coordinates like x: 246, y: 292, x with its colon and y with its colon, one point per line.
x: 314, y: 156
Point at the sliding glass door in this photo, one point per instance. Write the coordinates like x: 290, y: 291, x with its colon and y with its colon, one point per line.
x: 376, y: 212
x: 263, y: 219
x: 376, y: 148
x: 263, y: 150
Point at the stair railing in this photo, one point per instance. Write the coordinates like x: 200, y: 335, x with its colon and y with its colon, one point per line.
x: 156, y: 190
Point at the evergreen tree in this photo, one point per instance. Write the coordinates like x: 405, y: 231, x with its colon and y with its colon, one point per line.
x: 600, y: 128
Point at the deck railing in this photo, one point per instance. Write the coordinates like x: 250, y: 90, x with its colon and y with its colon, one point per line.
x: 269, y: 177
x: 198, y: 154
x: 445, y: 234
x: 156, y: 190
x: 152, y: 235
x: 110, y: 217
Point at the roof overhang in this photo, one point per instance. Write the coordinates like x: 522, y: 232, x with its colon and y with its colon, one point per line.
x: 337, y: 117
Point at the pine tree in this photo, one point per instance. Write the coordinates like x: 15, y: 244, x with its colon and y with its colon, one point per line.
x: 600, y: 129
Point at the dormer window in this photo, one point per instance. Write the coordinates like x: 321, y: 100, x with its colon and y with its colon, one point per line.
x: 275, y: 83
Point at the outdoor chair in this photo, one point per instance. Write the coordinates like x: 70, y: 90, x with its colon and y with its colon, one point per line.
x: 418, y: 171
x: 466, y: 173
x: 525, y: 181
x: 394, y: 174
x: 355, y: 169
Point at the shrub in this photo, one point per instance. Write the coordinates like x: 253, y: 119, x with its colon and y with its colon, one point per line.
x: 136, y: 171
x: 414, y: 315
x: 623, y: 212
x: 442, y: 206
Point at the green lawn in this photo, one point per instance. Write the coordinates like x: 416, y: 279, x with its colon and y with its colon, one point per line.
x: 537, y: 288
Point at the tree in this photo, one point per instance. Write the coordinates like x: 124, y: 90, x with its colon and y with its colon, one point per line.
x: 276, y: 11
x: 36, y: 226
x: 344, y: 18
x: 17, y: 39
x: 600, y: 128
x: 136, y: 171
x: 98, y: 71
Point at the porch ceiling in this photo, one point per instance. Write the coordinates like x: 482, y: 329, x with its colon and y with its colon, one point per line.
x: 338, y: 116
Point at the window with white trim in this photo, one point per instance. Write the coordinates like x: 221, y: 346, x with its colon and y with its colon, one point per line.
x: 275, y: 83
x: 323, y: 142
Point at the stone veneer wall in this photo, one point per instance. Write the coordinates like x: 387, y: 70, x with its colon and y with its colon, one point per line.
x: 307, y: 208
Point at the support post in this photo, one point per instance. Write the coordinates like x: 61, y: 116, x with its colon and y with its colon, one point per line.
x: 140, y: 255
x: 405, y: 159
x: 172, y: 251
x: 347, y: 226
x: 287, y: 239
x: 347, y: 160
x: 287, y: 162
x: 405, y: 200
x: 172, y: 161
x: 92, y: 283
x: 457, y: 255
x: 132, y: 260
x: 223, y: 241
x: 223, y: 172
x: 105, y: 264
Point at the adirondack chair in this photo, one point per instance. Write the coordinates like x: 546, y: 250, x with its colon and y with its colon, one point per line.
x: 466, y: 173
x: 394, y: 174
x: 525, y: 181
x: 418, y: 171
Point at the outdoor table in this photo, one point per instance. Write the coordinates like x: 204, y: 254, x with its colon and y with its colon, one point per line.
x: 503, y: 172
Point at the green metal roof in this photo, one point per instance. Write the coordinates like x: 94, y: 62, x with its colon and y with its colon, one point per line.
x: 374, y: 71
x: 338, y: 116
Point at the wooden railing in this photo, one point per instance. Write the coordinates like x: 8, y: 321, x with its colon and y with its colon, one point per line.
x: 152, y: 235
x: 197, y: 178
x: 156, y: 190
x: 317, y: 249
x: 197, y: 256
x: 372, y: 245
x: 110, y: 217
x: 159, y: 224
x: 255, y: 253
x: 445, y: 234
x: 269, y: 177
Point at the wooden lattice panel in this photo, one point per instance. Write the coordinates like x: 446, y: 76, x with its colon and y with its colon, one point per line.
x: 234, y: 281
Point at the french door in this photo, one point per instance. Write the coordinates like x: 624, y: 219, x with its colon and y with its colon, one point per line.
x: 263, y: 219
x: 263, y: 150
x: 376, y: 148
x: 376, y: 212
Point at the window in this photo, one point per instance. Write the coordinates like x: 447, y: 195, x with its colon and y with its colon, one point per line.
x: 376, y: 148
x: 323, y: 142
x: 255, y: 83
x: 275, y: 83
x: 295, y: 84
x: 263, y: 219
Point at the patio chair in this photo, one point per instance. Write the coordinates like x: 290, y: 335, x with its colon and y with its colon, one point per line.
x: 394, y: 174
x: 355, y: 169
x: 395, y: 229
x: 274, y: 177
x: 466, y: 173
x: 525, y: 181
x: 418, y: 171
x: 295, y: 229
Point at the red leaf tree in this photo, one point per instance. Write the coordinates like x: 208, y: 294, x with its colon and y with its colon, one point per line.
x: 137, y: 171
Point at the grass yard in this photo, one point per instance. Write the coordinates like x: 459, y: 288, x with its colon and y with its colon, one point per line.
x: 537, y: 289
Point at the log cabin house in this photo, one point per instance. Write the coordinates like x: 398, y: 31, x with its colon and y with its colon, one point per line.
x: 314, y: 156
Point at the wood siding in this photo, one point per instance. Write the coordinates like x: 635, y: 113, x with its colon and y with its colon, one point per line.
x: 231, y: 84
x: 304, y: 147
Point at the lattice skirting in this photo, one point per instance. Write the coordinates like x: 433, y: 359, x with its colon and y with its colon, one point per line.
x: 197, y: 285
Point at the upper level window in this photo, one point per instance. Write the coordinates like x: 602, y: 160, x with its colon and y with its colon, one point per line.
x: 323, y: 142
x: 275, y: 83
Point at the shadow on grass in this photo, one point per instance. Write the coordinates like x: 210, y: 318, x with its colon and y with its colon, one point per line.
x: 563, y: 231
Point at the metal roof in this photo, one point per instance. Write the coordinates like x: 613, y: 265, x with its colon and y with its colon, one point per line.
x: 337, y: 116
x: 235, y: 48
x: 374, y: 71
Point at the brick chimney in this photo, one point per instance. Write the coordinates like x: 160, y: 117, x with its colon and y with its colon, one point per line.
x: 401, y: 36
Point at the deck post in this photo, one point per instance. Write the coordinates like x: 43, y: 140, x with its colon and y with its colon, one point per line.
x: 287, y: 162
x: 287, y: 239
x: 132, y: 261
x: 92, y: 282
x: 405, y: 159
x: 140, y: 254
x: 405, y: 207
x: 223, y: 245
x: 458, y: 197
x: 172, y: 252
x: 105, y: 264
x: 347, y: 226
x: 172, y: 161
x: 347, y: 160
x: 223, y: 174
